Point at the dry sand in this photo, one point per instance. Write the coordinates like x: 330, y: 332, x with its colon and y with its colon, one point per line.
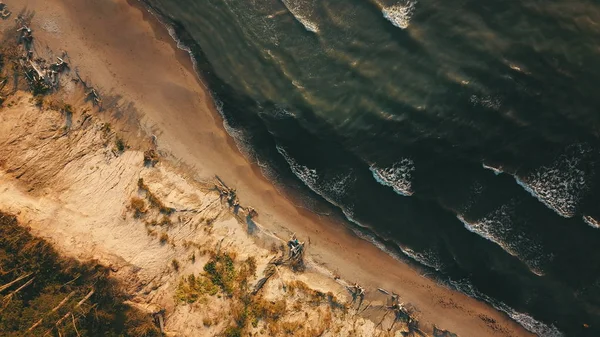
x: 129, y: 56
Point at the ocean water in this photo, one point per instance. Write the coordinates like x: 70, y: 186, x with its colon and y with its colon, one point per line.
x: 461, y: 135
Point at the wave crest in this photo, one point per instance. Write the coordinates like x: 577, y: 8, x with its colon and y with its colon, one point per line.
x: 400, y: 14
x: 591, y: 221
x: 562, y: 184
x: 297, y: 8
x: 524, y: 320
x: 398, y: 177
x: 498, y: 227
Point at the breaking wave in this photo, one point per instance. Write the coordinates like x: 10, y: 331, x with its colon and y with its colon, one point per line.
x: 561, y: 185
x: 331, y: 188
x: 400, y: 14
x: 591, y: 221
x: 498, y: 227
x: 296, y: 10
x: 523, y: 319
x: 496, y: 171
x: 336, y: 189
x: 398, y: 177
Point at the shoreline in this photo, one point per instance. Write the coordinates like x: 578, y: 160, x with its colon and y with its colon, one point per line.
x: 363, y: 233
x: 214, y: 151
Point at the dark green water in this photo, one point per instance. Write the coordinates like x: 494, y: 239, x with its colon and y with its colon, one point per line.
x: 461, y: 136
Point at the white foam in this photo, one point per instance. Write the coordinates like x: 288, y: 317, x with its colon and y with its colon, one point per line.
x: 591, y: 221
x: 525, y: 320
x: 300, y: 10
x: 400, y: 14
x: 398, y: 177
x: 498, y: 228
x: 427, y: 258
x: 332, y: 189
x: 561, y: 185
x: 496, y: 170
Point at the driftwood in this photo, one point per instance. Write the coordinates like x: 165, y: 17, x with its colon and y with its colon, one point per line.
x: 59, y: 322
x: 75, y: 325
x: 150, y: 157
x: 36, y: 324
x: 270, y: 270
x: 4, y: 12
x: 9, y: 297
x: 90, y: 92
x: 6, y: 286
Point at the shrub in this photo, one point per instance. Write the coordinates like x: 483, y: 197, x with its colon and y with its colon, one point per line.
x: 164, y: 238
x: 175, y: 264
x: 119, y: 144
x: 166, y: 221
x: 191, y: 289
x: 221, y: 271
x: 150, y: 157
x: 154, y: 201
x: 138, y: 206
x: 233, y: 331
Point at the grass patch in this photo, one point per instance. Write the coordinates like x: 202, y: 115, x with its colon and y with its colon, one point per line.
x: 164, y: 238
x: 154, y: 201
x: 120, y: 145
x: 138, y: 206
x: 221, y: 271
x: 191, y: 289
x: 222, y: 274
x: 175, y: 264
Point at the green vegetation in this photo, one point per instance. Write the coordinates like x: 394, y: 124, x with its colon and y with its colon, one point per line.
x: 221, y: 272
x: 175, y: 264
x: 154, y: 201
x: 51, y: 289
x: 164, y: 238
x: 119, y: 144
x: 192, y: 289
x: 223, y: 275
x: 68, y: 109
x: 138, y: 206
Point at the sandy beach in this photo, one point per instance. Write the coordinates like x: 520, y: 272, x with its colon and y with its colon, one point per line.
x: 131, y: 58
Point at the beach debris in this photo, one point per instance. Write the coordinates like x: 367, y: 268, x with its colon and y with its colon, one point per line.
x: 26, y: 33
x: 252, y: 213
x: 229, y: 194
x: 41, y: 74
x: 150, y: 157
x: 59, y: 66
x: 4, y: 12
x: 384, y: 291
x: 357, y: 292
x: 159, y: 319
x: 90, y: 92
x: 93, y: 95
x: 437, y: 332
x: 296, y: 247
x: 2, y: 84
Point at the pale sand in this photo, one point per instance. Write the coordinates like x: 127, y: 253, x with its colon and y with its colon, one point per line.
x: 124, y: 51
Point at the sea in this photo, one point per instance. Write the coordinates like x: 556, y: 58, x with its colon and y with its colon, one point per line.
x: 460, y: 136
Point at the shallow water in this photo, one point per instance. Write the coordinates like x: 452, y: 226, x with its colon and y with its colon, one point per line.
x: 462, y: 135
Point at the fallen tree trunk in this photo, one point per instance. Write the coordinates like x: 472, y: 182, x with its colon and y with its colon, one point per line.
x: 6, y: 286
x: 36, y: 324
